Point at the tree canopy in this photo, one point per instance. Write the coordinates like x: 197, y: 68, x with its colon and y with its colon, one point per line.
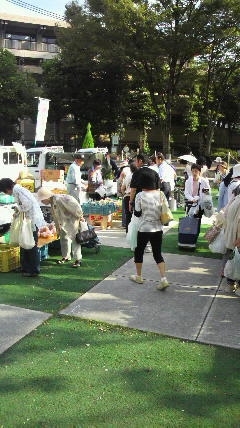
x: 115, y: 52
x: 17, y: 92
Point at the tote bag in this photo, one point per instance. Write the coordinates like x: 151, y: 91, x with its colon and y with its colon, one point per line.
x: 232, y: 267
x: 218, y: 244
x: 132, y: 233
x: 15, y: 229
x: 26, y: 239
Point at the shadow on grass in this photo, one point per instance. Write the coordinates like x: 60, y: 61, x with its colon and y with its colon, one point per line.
x: 59, y: 285
x: 110, y: 375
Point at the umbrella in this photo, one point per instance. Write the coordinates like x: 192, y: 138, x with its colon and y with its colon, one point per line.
x: 188, y: 158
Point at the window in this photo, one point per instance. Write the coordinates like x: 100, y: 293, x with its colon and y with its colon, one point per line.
x: 5, y: 158
x: 33, y: 159
x: 21, y: 37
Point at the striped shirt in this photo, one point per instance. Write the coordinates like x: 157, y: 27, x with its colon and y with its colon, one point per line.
x: 149, y: 203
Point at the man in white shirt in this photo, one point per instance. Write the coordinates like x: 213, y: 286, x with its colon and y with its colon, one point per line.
x: 167, y: 175
x: 74, y: 181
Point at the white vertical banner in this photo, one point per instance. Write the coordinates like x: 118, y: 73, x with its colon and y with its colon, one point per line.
x: 43, y: 106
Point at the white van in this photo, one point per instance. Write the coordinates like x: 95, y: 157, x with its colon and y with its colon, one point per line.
x: 13, y: 160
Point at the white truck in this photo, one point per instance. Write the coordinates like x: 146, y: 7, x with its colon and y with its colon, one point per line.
x: 13, y: 161
x: 39, y: 158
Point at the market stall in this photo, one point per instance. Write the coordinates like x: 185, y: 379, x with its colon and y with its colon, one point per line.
x: 100, y: 211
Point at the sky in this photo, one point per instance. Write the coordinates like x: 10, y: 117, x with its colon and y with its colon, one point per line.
x: 57, y: 6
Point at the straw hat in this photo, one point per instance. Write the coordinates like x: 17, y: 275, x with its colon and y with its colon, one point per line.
x: 44, y: 194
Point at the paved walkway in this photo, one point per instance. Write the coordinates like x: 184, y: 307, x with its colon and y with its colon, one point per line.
x: 197, y: 306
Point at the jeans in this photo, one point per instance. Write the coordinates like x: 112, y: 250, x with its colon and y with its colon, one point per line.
x: 30, y: 259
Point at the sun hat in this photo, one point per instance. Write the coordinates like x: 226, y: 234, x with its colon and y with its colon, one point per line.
x: 218, y: 159
x: 44, y: 193
x: 236, y: 171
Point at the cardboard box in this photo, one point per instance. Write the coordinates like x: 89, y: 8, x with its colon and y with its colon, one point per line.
x: 52, y: 174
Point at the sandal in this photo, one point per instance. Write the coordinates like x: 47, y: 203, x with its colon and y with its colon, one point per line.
x: 62, y: 261
x: 76, y: 264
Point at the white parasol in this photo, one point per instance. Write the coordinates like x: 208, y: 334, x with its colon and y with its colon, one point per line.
x: 188, y: 158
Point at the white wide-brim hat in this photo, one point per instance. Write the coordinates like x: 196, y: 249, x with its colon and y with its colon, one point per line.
x: 236, y: 171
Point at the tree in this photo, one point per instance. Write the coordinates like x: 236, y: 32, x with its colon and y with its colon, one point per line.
x: 17, y: 92
x: 153, y: 43
x: 217, y: 67
x: 88, y: 141
x: 54, y: 83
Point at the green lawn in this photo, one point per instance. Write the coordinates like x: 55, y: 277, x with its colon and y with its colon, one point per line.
x: 77, y: 373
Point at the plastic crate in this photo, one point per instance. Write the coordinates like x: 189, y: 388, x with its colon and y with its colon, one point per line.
x: 9, y: 257
x: 6, y: 199
x: 100, y: 209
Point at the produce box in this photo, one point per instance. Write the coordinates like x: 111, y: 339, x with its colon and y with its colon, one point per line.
x: 27, y: 184
x: 99, y: 208
x: 9, y: 257
x: 52, y: 174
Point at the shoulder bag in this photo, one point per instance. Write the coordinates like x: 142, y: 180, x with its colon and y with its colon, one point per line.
x: 165, y: 215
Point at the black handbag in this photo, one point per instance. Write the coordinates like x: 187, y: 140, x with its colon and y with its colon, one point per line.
x: 85, y: 236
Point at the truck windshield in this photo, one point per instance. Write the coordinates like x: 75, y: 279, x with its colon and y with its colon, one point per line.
x: 58, y: 160
x: 33, y: 159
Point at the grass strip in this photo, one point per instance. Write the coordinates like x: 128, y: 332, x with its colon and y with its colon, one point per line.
x: 59, y: 285
x: 77, y: 373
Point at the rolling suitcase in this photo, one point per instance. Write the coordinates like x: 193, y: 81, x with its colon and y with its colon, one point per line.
x: 188, y: 231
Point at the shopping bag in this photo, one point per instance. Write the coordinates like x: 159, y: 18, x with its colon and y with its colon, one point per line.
x: 26, y: 239
x: 193, y: 210
x: 101, y: 190
x: 83, y: 226
x: 165, y: 215
x: 218, y: 244
x: 15, y: 228
x: 207, y: 205
x: 232, y: 267
x: 132, y: 233
x: 85, y: 233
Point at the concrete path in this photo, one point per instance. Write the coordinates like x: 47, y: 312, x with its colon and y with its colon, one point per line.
x: 15, y: 323
x: 197, y: 306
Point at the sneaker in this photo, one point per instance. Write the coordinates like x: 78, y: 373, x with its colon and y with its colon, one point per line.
x: 148, y: 249
x: 163, y: 284
x: 136, y: 278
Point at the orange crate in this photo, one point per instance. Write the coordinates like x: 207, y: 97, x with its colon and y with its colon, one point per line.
x: 9, y: 257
